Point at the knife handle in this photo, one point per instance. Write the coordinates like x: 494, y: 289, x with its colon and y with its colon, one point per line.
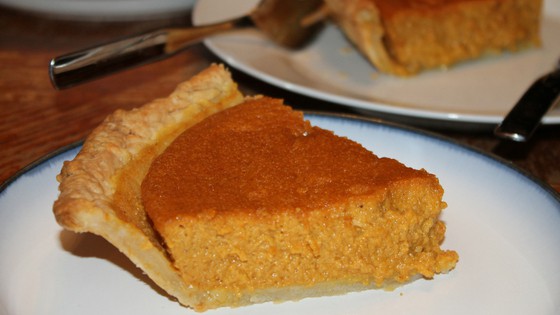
x: 524, y: 118
x: 92, y: 63
x: 88, y: 64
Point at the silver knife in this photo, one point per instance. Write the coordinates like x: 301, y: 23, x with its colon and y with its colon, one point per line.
x: 525, y: 117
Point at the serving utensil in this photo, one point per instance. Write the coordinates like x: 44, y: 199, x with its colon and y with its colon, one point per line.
x: 525, y: 117
x: 284, y: 22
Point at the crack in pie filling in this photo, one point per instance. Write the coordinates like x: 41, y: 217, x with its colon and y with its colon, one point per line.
x: 226, y: 200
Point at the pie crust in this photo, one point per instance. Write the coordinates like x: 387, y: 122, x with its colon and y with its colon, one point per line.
x: 117, y: 154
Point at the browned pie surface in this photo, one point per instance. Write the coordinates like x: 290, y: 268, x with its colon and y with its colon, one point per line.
x: 261, y: 155
x: 387, y: 8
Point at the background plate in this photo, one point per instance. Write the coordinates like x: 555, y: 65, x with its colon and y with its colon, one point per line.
x: 477, y: 92
x: 503, y: 224
x: 102, y: 9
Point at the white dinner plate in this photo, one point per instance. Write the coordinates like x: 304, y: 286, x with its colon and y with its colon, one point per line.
x: 478, y: 92
x: 102, y: 9
x: 503, y: 224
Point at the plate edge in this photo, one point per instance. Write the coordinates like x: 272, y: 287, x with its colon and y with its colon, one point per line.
x: 38, y: 162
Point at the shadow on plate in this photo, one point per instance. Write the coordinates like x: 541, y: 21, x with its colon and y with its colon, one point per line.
x: 88, y: 245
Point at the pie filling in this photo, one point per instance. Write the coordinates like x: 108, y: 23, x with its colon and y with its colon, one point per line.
x: 253, y: 202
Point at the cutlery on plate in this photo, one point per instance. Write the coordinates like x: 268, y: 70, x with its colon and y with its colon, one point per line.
x: 287, y: 23
x: 524, y: 118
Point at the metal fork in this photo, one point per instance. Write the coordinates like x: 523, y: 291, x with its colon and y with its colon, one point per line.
x: 284, y: 22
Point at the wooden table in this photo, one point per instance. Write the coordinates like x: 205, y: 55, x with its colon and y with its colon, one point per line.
x: 35, y: 119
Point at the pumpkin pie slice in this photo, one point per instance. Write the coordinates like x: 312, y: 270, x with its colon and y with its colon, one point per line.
x: 225, y: 200
x: 403, y: 37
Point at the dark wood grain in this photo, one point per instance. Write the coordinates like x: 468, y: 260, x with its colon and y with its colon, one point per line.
x: 36, y: 119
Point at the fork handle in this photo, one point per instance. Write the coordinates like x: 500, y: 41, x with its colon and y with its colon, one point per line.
x: 524, y: 118
x: 99, y: 61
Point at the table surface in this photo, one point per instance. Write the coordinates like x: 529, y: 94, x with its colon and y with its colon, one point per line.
x: 36, y: 119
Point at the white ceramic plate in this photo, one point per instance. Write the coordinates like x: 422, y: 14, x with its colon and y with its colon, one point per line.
x: 478, y: 92
x: 102, y: 9
x: 504, y: 225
